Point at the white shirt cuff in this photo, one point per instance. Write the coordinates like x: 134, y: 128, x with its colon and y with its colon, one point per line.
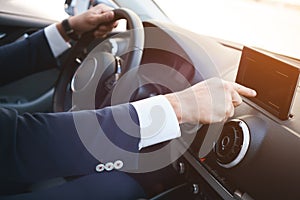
x: 158, y: 121
x: 57, y: 44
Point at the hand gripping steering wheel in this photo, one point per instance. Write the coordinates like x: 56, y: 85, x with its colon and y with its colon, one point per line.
x: 97, y: 74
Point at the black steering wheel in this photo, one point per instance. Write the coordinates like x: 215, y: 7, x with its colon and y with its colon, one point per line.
x: 100, y: 68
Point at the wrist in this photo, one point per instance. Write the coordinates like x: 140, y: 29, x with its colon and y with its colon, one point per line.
x: 66, y: 31
x: 175, y: 103
x: 62, y: 32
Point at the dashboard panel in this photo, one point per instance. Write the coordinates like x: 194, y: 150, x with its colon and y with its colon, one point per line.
x: 255, y: 153
x: 255, y: 156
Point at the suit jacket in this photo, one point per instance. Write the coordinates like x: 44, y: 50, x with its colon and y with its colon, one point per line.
x: 25, y: 57
x: 35, y: 147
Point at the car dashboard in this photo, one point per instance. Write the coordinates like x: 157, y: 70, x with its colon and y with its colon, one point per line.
x: 253, y: 155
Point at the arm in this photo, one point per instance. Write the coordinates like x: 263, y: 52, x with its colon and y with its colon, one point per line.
x: 35, y: 147
x: 25, y: 57
x: 207, y: 102
x: 40, y: 146
x: 38, y: 51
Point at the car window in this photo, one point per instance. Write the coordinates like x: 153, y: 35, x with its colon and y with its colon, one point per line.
x: 75, y: 7
x: 273, y: 25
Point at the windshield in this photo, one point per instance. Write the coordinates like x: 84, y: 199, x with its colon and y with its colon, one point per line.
x: 273, y: 25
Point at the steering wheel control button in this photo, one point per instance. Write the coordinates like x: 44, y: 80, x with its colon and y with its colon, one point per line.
x: 109, y: 166
x: 118, y: 164
x: 233, y: 143
x: 100, y: 168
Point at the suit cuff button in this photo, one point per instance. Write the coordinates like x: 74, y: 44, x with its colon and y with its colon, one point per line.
x: 118, y: 164
x: 100, y: 168
x: 109, y: 166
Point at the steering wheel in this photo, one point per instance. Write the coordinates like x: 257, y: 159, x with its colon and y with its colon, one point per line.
x: 101, y: 67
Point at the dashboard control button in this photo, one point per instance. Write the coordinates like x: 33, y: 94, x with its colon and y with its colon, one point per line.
x: 195, y: 188
x: 233, y: 143
x: 181, y: 168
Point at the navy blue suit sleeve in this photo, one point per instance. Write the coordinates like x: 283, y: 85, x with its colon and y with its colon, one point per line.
x: 41, y: 146
x: 21, y: 58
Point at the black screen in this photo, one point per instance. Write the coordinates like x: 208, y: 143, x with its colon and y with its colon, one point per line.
x: 274, y: 80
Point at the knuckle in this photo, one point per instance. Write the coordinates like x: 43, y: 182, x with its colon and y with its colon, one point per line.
x: 92, y: 20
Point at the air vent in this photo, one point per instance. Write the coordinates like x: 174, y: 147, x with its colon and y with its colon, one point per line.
x: 233, y: 143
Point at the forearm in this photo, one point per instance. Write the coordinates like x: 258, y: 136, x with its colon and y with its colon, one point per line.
x: 42, y: 146
x: 25, y: 57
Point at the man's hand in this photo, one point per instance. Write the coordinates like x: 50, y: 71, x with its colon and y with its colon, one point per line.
x: 209, y: 101
x: 98, y: 18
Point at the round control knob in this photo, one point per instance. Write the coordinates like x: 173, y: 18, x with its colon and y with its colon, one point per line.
x: 233, y: 143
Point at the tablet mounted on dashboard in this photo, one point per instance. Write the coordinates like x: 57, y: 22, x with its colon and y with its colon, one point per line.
x: 274, y: 80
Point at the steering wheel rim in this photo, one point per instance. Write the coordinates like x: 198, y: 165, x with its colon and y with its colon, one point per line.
x: 134, y: 56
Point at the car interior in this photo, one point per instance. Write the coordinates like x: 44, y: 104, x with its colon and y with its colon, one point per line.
x: 253, y: 155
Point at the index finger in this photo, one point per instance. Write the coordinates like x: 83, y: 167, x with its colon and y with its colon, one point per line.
x: 245, y: 91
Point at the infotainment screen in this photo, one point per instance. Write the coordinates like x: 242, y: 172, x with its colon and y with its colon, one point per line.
x: 274, y: 80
